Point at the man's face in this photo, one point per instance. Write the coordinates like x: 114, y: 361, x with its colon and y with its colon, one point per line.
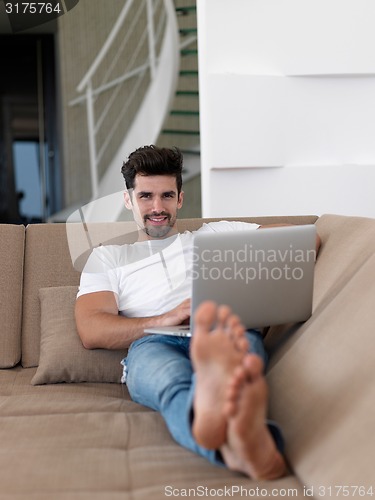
x: 155, y: 202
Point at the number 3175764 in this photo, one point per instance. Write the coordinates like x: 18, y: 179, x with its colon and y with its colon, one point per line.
x: 32, y: 8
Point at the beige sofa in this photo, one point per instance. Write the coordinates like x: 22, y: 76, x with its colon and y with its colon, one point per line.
x: 68, y: 429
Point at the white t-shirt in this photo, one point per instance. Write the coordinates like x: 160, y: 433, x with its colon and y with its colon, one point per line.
x: 149, y: 277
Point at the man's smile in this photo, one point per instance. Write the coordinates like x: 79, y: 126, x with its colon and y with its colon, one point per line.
x: 157, y: 219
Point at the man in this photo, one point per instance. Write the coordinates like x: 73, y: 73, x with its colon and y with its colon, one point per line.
x: 210, y: 390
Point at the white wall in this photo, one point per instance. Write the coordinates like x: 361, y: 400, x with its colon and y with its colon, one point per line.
x: 287, y: 106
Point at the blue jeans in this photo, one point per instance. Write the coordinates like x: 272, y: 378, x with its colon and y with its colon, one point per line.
x: 159, y: 374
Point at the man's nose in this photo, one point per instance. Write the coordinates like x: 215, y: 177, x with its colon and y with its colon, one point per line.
x: 157, y: 205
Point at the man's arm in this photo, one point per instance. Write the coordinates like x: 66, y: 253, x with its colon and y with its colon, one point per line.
x: 99, y: 324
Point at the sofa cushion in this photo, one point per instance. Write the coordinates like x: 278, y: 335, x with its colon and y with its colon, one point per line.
x: 322, y: 379
x: 62, y: 355
x: 12, y: 239
x: 111, y: 455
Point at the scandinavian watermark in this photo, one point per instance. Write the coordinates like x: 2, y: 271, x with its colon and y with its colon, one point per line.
x: 250, y: 264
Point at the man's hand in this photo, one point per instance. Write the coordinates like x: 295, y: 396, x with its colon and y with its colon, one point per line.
x: 99, y: 324
x: 177, y: 316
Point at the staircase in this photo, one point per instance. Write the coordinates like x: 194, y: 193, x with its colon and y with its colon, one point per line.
x: 181, y: 127
x: 164, y: 96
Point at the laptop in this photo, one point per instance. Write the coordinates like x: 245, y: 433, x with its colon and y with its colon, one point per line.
x: 266, y: 276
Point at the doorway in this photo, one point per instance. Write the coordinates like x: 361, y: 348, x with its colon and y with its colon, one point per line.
x: 30, y: 186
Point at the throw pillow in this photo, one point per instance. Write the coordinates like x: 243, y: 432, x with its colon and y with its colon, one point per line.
x: 62, y: 355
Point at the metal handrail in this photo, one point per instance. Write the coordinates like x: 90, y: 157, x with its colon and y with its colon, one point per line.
x: 107, y: 45
x: 91, y: 93
x: 150, y: 115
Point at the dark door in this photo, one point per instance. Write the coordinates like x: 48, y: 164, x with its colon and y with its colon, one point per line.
x: 30, y: 187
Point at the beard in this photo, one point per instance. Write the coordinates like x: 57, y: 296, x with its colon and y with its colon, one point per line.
x: 158, y: 231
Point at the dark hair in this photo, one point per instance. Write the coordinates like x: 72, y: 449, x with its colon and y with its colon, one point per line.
x: 152, y: 160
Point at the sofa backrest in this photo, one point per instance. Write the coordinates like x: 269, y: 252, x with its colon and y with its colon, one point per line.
x: 322, y: 377
x: 52, y: 249
x: 12, y: 241
x: 47, y: 263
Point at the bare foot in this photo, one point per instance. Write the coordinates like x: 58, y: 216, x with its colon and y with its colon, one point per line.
x: 218, y: 346
x: 250, y: 447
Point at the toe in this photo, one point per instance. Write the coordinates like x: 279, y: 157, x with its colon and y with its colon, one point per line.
x: 233, y: 390
x: 238, y: 333
x: 205, y: 316
x: 223, y: 316
x: 253, y: 366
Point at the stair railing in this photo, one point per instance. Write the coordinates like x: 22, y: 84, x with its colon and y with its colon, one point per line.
x: 161, y: 30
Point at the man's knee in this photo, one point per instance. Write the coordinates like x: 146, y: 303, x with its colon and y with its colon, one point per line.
x: 155, y: 370
x: 256, y: 343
